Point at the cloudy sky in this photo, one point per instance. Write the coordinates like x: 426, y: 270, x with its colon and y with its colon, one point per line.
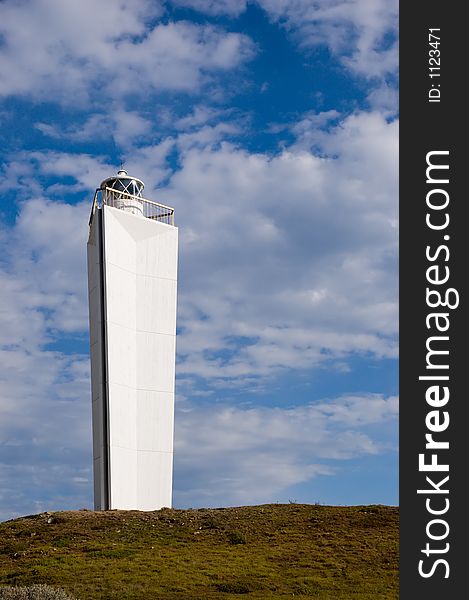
x: 271, y: 127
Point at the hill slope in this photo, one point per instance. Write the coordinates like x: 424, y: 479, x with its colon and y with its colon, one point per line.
x: 259, y: 552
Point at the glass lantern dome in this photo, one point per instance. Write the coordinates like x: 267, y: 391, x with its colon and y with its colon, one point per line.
x: 124, y: 192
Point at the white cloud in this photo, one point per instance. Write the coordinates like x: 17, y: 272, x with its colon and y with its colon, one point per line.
x: 72, y: 54
x: 69, y: 52
x: 45, y: 429
x: 201, y: 115
x: 25, y: 172
x: 290, y: 260
x: 231, y: 455
x: 127, y: 128
x: 356, y: 31
x: 385, y: 99
x: 44, y: 274
x: 48, y: 235
x: 361, y: 33
x: 45, y: 413
x: 232, y: 8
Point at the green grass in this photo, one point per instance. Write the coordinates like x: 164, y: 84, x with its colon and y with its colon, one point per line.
x: 256, y: 552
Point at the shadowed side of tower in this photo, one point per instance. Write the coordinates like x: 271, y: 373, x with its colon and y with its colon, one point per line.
x: 132, y: 281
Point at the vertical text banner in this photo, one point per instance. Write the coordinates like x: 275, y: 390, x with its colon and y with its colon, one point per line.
x: 434, y: 421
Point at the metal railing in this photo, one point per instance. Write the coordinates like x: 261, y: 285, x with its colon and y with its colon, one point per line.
x: 133, y: 204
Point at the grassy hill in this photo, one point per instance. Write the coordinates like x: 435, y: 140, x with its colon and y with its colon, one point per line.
x: 259, y: 552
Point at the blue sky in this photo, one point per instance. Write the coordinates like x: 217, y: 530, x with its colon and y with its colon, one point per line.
x: 271, y: 127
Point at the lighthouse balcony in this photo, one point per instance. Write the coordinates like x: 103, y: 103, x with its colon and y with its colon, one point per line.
x: 133, y: 204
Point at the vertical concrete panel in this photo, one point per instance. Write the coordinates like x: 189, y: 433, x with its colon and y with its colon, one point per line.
x: 97, y: 416
x: 155, y: 361
x: 96, y: 370
x: 121, y: 288
x: 157, y: 256
x: 123, y: 476
x: 120, y: 243
x: 94, y: 308
x: 157, y: 314
x: 122, y: 352
x: 123, y: 416
x: 99, y: 500
x: 155, y: 421
x: 156, y: 268
x: 96, y: 354
x: 154, y: 479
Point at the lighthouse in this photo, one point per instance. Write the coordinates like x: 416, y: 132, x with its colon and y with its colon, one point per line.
x: 132, y: 285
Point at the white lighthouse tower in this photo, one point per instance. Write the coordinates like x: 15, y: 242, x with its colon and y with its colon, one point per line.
x: 132, y: 280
